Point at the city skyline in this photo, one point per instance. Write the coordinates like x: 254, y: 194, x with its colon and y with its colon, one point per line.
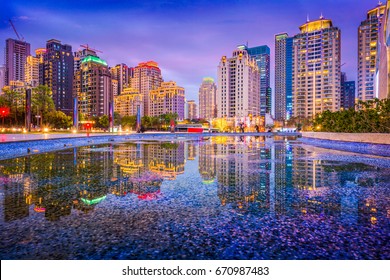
x: 186, y: 39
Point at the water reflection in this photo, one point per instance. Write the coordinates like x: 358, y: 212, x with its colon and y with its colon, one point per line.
x: 277, y: 177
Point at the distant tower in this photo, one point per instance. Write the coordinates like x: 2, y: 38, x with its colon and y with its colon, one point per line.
x: 120, y: 73
x: 192, y: 110
x: 261, y: 54
x: 347, y: 98
x: 208, y: 99
x: 58, y: 74
x: 316, y: 69
x: 16, y: 53
x: 283, y: 76
x: 146, y: 77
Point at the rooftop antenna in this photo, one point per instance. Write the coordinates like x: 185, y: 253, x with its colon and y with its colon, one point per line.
x: 307, y: 19
x: 321, y: 16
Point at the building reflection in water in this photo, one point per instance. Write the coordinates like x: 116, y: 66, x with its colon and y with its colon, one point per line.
x: 278, y: 176
x: 275, y: 176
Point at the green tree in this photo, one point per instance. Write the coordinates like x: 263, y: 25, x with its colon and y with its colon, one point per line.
x: 104, y: 122
x: 42, y: 102
x: 58, y: 119
x: 129, y: 122
x: 117, y: 119
x: 369, y: 116
x: 15, y: 101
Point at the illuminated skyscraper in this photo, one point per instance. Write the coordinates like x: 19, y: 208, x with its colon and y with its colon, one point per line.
x: 192, y: 110
x: 208, y: 99
x: 16, y: 53
x: 146, y: 77
x: 168, y: 98
x: 80, y: 55
x: 261, y: 55
x: 32, y: 67
x: 93, y: 87
x: 127, y: 102
x: 283, y: 76
x: 382, y: 75
x: 120, y: 73
x: 367, y: 52
x: 58, y: 74
x: 2, y: 77
x: 347, y: 97
x: 238, y: 94
x: 316, y: 69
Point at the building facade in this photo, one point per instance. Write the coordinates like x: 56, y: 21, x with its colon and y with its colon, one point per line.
x: 347, y: 98
x: 238, y: 94
x: 283, y: 76
x: 57, y: 74
x: 16, y: 53
x: 92, y: 87
x: 261, y: 54
x: 2, y: 77
x: 126, y: 103
x: 192, y: 109
x: 32, y: 68
x: 168, y: 98
x: 79, y: 56
x: 120, y: 73
x: 316, y: 69
x: 368, y: 34
x: 146, y: 77
x: 208, y: 99
x: 382, y: 77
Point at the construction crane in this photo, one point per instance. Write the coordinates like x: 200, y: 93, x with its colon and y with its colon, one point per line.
x: 20, y: 38
x: 86, y: 46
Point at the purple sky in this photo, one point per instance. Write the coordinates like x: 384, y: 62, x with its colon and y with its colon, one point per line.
x: 186, y: 38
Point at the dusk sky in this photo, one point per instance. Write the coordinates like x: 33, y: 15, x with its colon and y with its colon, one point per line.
x: 186, y: 38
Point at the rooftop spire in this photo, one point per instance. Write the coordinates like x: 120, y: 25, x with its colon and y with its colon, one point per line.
x: 321, y: 16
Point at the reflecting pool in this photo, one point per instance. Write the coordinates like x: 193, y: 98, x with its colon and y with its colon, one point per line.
x: 210, y: 198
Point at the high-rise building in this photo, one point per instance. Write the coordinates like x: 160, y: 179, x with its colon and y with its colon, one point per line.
x: 283, y: 76
x: 2, y: 77
x: 316, y: 69
x: 126, y: 103
x: 80, y: 55
x: 347, y: 98
x: 120, y: 73
x: 208, y: 99
x: 168, y: 98
x: 32, y: 67
x: 16, y: 53
x: 367, y: 52
x: 262, y: 56
x: 114, y: 86
x: 382, y: 76
x: 92, y: 87
x: 238, y: 94
x: 58, y: 74
x: 146, y: 77
x: 192, y: 110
